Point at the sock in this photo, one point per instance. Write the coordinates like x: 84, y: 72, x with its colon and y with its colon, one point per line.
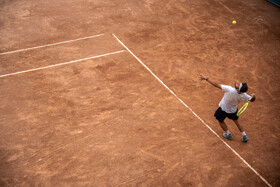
x: 243, y: 133
x: 227, y: 132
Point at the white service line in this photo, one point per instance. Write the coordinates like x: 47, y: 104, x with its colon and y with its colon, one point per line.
x: 263, y: 179
x: 60, y: 64
x: 47, y: 45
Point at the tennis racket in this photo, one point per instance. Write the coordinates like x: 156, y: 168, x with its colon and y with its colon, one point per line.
x: 243, y: 108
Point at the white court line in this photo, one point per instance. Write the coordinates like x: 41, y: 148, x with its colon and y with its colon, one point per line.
x: 194, y: 113
x: 60, y: 64
x: 68, y: 41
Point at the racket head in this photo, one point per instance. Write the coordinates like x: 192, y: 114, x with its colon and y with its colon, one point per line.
x: 242, y: 109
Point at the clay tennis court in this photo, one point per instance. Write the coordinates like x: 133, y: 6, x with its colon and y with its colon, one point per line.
x: 106, y: 93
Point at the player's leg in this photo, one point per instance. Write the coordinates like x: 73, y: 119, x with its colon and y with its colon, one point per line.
x: 220, y: 116
x: 244, y: 136
x: 226, y: 134
x: 223, y: 125
x: 238, y: 125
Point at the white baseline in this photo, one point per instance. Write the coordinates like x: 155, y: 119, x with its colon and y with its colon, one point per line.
x: 263, y: 179
x: 48, y: 45
x: 60, y: 64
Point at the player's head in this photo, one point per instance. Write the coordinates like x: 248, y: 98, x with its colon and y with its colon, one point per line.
x: 241, y: 87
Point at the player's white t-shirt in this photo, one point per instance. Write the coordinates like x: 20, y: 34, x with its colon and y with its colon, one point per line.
x: 231, y: 99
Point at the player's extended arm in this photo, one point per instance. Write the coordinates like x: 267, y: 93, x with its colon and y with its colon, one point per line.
x: 210, y: 81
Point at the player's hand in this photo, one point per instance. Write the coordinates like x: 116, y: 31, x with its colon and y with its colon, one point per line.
x: 201, y: 77
x: 253, y: 97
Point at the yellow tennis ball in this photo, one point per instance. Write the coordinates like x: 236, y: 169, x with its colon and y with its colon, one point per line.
x: 234, y: 22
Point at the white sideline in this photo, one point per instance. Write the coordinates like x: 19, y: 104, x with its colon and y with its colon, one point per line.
x: 64, y: 63
x: 47, y: 45
x: 263, y: 179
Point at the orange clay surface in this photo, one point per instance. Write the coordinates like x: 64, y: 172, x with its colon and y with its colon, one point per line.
x: 108, y: 122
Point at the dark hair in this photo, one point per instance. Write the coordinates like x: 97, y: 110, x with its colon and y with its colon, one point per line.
x: 244, y: 87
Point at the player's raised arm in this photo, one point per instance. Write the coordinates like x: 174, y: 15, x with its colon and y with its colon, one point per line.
x: 210, y: 81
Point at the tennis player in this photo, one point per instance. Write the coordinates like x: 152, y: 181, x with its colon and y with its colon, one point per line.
x: 228, y: 105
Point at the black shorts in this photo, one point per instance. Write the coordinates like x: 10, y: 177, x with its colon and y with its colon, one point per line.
x: 221, y: 115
